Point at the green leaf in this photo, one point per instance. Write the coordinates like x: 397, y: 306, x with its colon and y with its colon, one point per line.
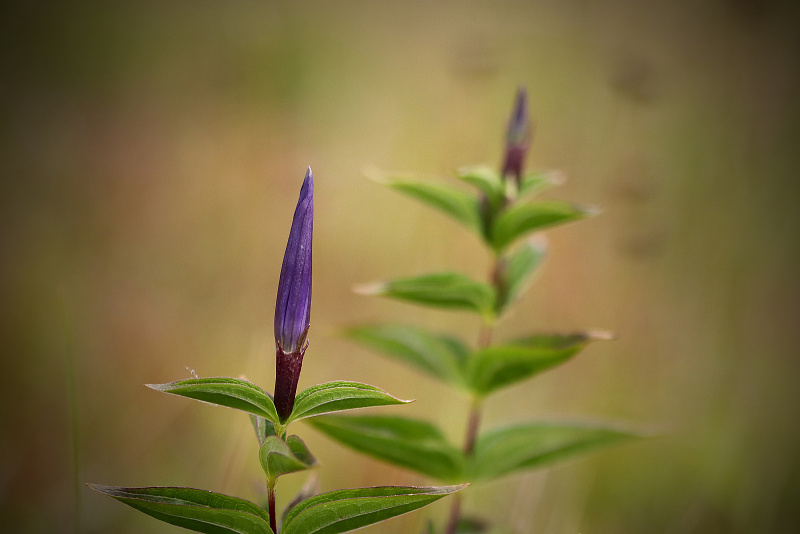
x: 438, y: 356
x: 531, y: 445
x: 344, y: 510
x: 534, y: 183
x: 281, y: 458
x: 262, y: 427
x: 518, y: 268
x: 309, y: 489
x: 440, y: 290
x: 501, y: 365
x: 224, y: 391
x: 338, y: 396
x: 487, y: 180
x: 459, y: 205
x: 408, y: 443
x: 521, y: 219
x: 198, y: 510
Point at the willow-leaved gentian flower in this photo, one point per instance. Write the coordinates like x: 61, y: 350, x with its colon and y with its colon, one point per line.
x: 518, y: 138
x: 293, y: 305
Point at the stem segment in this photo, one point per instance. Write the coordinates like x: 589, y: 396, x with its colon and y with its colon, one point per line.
x: 272, y: 519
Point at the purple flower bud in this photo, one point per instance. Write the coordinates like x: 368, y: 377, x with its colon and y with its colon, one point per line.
x: 518, y: 137
x: 293, y: 306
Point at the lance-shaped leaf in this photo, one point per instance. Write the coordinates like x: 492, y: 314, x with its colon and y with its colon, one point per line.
x: 439, y: 356
x: 532, y: 445
x: 344, y: 510
x: 517, y: 269
x: 534, y: 183
x: 408, y: 443
x: 309, y: 489
x: 487, y: 180
x: 194, y: 509
x: 280, y: 458
x: 338, y: 396
x: 224, y: 391
x: 440, y: 290
x: 502, y: 365
x: 459, y: 205
x: 521, y: 219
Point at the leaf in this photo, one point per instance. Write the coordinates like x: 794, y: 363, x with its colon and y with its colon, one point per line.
x: 262, y: 427
x: 518, y: 269
x: 198, y: 510
x: 501, y: 365
x: 531, y: 445
x: 438, y: 356
x: 534, y: 183
x: 309, y: 489
x: 440, y: 290
x: 338, y: 396
x: 280, y: 458
x: 487, y: 180
x: 521, y: 219
x: 459, y: 205
x: 408, y: 443
x: 344, y: 510
x: 224, y: 391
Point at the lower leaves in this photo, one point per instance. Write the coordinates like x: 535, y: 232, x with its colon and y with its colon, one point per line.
x: 327, y: 513
x: 198, y: 510
x: 345, y: 510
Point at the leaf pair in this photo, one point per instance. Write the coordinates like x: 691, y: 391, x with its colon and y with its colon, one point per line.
x: 421, y: 447
x: 246, y: 396
x: 280, y: 457
x: 328, y: 513
x: 496, y: 219
x: 481, y: 372
x: 456, y: 291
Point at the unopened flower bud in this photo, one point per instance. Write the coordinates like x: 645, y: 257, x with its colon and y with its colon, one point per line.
x: 293, y: 306
x: 518, y: 138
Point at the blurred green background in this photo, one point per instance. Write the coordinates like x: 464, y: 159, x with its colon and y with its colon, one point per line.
x: 151, y: 155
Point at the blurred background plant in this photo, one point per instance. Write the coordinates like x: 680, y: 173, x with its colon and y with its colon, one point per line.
x: 147, y: 160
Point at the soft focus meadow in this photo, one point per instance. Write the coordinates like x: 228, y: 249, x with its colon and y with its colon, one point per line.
x: 151, y: 154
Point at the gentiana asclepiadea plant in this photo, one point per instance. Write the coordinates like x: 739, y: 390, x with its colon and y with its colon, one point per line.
x: 502, y: 212
x: 310, y: 513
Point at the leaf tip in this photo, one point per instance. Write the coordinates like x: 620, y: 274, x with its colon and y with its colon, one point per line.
x: 556, y: 177
x: 600, y: 335
x: 375, y: 288
x: 590, y: 211
x: 375, y: 174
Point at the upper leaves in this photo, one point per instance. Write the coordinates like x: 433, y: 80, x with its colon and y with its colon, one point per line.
x: 441, y: 290
x: 224, y: 391
x: 337, y: 396
x: 409, y: 443
x: 344, y: 510
x: 439, y: 356
x: 481, y: 372
x: 421, y: 447
x: 532, y: 445
x: 242, y: 395
x: 194, y: 509
x: 521, y: 219
x: 502, y: 365
x: 459, y: 205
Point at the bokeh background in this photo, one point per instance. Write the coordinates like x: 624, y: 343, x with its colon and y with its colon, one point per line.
x: 151, y: 155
